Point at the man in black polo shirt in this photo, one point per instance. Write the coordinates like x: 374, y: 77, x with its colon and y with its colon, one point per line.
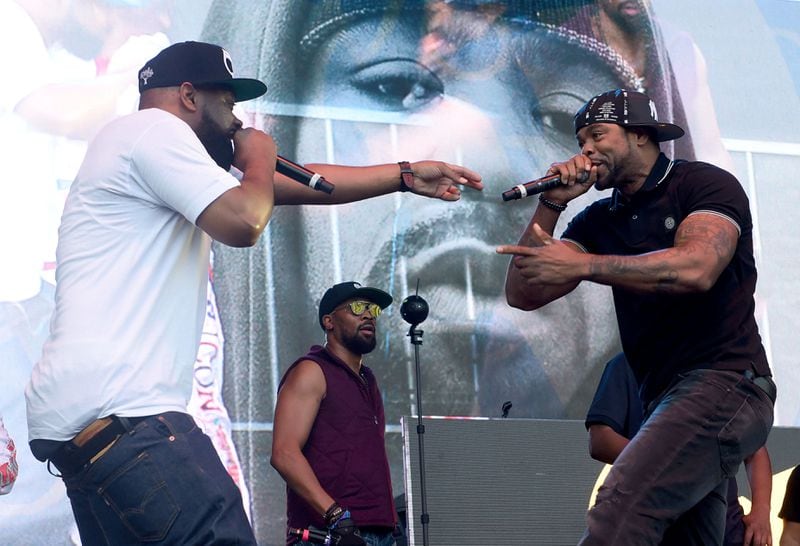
x: 674, y: 241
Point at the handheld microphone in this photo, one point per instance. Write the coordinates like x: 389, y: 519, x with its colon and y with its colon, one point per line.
x: 533, y: 187
x: 221, y: 151
x: 312, y: 535
x: 298, y: 173
x: 326, y: 538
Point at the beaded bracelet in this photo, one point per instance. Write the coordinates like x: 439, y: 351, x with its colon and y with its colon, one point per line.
x: 551, y: 205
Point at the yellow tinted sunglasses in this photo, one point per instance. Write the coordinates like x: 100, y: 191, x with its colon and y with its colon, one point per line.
x: 359, y: 306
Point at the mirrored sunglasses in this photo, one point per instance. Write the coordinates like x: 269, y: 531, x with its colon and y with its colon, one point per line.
x: 358, y: 307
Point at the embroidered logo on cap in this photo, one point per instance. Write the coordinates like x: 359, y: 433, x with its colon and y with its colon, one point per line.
x: 607, y: 112
x: 228, y: 62
x: 653, y: 112
x: 145, y: 75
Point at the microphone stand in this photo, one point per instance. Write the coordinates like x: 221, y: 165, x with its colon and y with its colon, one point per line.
x: 414, y: 310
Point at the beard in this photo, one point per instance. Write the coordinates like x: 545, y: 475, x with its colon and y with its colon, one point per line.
x: 216, y: 142
x: 630, y: 24
x: 220, y: 150
x: 359, y: 345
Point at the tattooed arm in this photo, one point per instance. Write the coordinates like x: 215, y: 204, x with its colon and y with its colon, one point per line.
x: 704, y: 245
x: 519, y: 293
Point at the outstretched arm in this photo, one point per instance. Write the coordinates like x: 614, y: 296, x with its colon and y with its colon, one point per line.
x: 431, y: 179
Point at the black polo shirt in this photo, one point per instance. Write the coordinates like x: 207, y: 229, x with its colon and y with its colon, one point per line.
x: 665, y: 334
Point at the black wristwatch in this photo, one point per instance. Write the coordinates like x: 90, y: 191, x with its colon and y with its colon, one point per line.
x: 406, y: 176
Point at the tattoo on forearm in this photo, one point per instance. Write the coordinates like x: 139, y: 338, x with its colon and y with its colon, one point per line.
x: 622, y: 266
x: 667, y: 283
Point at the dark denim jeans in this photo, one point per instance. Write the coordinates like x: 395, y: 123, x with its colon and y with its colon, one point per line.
x: 161, y: 482
x: 669, y: 481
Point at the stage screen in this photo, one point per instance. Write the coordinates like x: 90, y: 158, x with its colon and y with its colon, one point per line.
x: 490, y: 85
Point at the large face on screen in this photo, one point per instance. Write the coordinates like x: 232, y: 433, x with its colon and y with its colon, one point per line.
x: 469, y: 88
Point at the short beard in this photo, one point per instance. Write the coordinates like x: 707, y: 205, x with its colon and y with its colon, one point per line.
x: 637, y: 25
x: 218, y: 145
x: 220, y: 150
x: 358, y: 345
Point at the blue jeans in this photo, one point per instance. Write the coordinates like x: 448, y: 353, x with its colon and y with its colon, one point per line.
x: 672, y: 474
x: 372, y: 539
x: 160, y: 482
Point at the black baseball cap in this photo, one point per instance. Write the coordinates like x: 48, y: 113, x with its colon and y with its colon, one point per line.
x: 198, y: 63
x: 339, y: 293
x: 627, y: 108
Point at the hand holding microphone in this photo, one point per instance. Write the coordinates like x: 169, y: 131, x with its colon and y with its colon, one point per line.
x: 533, y: 187
x: 341, y: 527
x: 312, y: 535
x: 546, y: 183
x: 326, y: 538
x: 223, y: 154
x: 579, y: 164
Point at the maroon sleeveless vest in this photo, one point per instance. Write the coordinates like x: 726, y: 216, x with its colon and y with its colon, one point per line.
x: 345, y: 447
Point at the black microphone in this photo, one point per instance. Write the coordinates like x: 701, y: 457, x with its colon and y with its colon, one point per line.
x: 298, y: 173
x: 533, y: 187
x: 326, y: 538
x: 312, y: 535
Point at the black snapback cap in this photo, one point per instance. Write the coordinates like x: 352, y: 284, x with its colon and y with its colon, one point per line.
x: 627, y: 108
x: 339, y: 293
x: 200, y: 64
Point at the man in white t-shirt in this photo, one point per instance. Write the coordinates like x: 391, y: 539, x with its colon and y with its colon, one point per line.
x: 107, y: 400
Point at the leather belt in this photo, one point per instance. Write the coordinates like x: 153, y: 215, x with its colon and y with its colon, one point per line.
x: 91, y: 443
x: 763, y: 382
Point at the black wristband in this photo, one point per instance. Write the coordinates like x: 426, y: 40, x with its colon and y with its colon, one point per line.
x: 551, y: 205
x: 333, y: 513
x: 406, y: 176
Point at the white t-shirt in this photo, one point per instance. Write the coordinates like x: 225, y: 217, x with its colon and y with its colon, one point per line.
x: 132, y: 273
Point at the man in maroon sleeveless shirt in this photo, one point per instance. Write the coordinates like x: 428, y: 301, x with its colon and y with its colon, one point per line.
x: 328, y: 436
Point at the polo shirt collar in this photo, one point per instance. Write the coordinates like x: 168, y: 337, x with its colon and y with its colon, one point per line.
x: 658, y: 174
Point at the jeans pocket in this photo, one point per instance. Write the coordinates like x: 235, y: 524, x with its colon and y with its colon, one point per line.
x: 746, y: 431
x: 141, y: 498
